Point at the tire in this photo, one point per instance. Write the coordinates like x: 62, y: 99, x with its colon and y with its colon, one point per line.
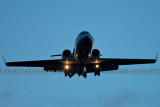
x: 95, y: 73
x: 98, y: 73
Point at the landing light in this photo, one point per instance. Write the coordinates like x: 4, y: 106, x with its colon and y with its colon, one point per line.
x: 97, y: 66
x: 67, y: 66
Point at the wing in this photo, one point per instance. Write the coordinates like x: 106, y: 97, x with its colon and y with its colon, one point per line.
x: 54, y: 64
x: 123, y: 61
x: 107, y: 64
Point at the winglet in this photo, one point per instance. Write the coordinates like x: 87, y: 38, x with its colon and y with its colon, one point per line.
x: 4, y: 59
x: 157, y: 56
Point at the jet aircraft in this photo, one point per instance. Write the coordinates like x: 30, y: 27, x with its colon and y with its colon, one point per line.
x: 84, y: 59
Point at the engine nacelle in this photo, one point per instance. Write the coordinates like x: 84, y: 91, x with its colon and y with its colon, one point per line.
x: 66, y: 54
x: 96, y: 53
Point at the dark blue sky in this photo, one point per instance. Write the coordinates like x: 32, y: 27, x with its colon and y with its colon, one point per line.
x: 36, y: 29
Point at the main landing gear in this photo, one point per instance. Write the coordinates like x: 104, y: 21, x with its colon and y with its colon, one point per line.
x: 69, y: 74
x: 66, y: 73
x: 97, y: 73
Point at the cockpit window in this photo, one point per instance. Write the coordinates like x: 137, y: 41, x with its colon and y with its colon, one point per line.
x: 84, y: 32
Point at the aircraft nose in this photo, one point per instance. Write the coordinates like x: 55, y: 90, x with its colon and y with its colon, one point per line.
x: 87, y: 41
x: 86, y: 37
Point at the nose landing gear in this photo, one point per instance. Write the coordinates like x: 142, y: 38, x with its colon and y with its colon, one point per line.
x: 84, y: 75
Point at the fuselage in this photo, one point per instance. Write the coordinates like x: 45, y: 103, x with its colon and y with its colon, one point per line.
x: 83, y: 48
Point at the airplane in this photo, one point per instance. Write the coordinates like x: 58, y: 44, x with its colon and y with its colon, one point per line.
x: 84, y: 59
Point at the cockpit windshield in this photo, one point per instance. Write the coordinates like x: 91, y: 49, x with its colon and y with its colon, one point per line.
x: 84, y: 32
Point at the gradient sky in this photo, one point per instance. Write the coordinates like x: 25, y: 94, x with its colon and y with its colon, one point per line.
x: 36, y: 29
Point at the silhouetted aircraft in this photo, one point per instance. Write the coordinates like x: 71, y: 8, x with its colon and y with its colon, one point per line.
x: 83, y: 60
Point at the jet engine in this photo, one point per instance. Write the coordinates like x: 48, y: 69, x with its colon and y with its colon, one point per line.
x: 96, y: 53
x: 66, y: 54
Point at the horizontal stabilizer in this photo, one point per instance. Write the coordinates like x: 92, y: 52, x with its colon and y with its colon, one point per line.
x: 56, y: 55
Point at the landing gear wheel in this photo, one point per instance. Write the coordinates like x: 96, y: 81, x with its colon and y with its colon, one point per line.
x: 66, y: 74
x: 98, y: 73
x: 70, y: 75
x: 95, y: 73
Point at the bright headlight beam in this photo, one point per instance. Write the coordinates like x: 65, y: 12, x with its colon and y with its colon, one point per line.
x: 67, y: 66
x: 97, y: 66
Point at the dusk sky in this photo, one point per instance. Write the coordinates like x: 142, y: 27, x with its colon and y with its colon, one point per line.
x: 37, y: 29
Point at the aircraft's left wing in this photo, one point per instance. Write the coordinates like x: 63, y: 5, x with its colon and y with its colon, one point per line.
x: 113, y: 63
x: 56, y: 64
x: 122, y: 61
